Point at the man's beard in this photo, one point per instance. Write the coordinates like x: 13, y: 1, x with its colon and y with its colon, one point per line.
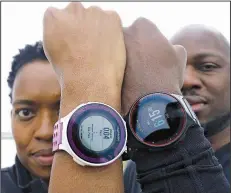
x: 218, y: 124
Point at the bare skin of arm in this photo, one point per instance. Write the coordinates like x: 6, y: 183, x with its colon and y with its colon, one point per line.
x: 90, y: 68
x: 67, y: 176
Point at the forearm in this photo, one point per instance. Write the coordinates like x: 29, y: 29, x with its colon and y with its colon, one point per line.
x: 69, y: 177
x: 191, y: 167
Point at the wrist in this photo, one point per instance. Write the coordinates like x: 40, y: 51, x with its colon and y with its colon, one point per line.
x: 184, y: 149
x: 64, y: 164
x: 171, y: 90
x: 74, y: 94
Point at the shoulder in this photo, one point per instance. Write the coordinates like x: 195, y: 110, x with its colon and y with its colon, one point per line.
x: 7, y: 173
x: 226, y: 166
x: 130, y: 178
x: 130, y: 167
x: 223, y: 156
x: 8, y: 180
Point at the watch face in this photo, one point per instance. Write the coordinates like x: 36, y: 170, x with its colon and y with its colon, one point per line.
x: 96, y: 133
x: 157, y: 119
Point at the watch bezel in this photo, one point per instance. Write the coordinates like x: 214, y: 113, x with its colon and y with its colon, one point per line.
x: 123, y: 134
x: 173, y: 140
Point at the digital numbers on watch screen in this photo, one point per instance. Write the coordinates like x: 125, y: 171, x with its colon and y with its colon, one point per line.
x: 157, y: 118
x: 151, y: 118
x: 96, y: 133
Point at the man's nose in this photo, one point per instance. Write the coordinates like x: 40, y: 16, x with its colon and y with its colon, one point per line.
x: 191, y: 78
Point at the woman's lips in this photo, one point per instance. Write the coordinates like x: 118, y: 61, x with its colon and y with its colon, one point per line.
x: 44, y: 160
x: 44, y: 157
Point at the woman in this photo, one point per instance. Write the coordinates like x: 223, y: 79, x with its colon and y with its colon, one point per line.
x: 35, y: 95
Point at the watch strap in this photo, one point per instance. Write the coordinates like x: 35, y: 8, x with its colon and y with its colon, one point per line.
x: 57, y: 135
x: 188, y: 109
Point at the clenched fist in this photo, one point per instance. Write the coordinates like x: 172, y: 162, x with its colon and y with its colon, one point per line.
x: 85, y: 43
x: 153, y: 64
x: 86, y: 48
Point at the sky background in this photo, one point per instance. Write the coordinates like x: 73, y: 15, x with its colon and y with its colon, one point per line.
x: 21, y: 23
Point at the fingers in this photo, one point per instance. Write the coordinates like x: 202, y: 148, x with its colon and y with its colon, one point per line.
x: 182, y: 60
x: 48, y: 24
x: 139, y: 26
x: 115, y: 16
x: 144, y: 24
x: 94, y: 9
x: 50, y: 15
x: 181, y: 54
x: 139, y: 32
x: 74, y: 7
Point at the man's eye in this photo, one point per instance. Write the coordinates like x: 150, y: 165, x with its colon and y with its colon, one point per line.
x: 207, y: 67
x: 24, y: 114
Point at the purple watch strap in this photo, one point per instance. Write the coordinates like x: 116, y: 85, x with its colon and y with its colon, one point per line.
x: 57, y: 136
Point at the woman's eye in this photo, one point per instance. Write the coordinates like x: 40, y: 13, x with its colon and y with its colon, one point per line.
x: 25, y: 114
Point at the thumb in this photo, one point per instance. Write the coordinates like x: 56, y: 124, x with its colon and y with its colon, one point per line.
x: 182, y: 60
x: 181, y: 54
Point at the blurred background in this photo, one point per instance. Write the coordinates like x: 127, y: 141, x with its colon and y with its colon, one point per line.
x: 22, y: 24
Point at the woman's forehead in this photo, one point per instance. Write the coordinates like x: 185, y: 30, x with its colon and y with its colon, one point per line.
x: 36, y: 80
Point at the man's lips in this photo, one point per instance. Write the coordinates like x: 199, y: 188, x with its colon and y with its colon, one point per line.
x: 44, y: 157
x: 197, y: 103
x: 197, y: 107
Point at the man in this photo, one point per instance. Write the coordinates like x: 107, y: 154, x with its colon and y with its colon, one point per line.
x: 207, y: 85
x: 207, y: 88
x: 39, y: 110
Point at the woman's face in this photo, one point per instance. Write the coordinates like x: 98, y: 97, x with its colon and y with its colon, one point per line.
x: 35, y: 100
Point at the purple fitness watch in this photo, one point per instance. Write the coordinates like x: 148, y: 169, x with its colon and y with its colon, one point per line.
x: 94, y: 134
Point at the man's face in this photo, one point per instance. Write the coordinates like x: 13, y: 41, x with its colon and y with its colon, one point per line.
x: 35, y: 99
x: 207, y: 76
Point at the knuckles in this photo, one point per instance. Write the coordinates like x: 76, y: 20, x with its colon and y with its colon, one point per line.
x: 94, y: 9
x: 75, y: 8
x: 144, y: 23
x: 50, y: 13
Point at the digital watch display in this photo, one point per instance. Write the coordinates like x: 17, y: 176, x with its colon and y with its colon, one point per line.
x: 96, y: 134
x: 159, y: 119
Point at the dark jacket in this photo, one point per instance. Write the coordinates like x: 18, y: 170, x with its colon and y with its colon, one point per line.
x: 224, y: 157
x: 130, y: 175
x: 17, y: 179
